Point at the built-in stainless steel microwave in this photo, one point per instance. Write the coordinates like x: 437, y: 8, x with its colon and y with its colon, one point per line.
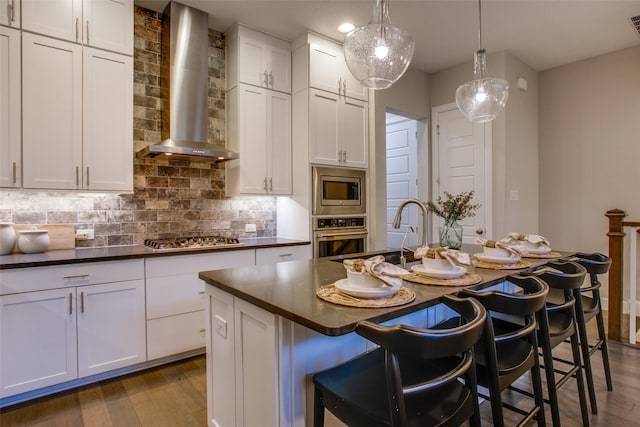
x: 339, y: 191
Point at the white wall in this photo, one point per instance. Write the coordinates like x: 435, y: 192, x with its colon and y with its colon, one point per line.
x: 409, y: 97
x: 589, y: 148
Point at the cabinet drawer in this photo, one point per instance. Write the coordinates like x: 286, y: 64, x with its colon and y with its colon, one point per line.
x: 285, y: 253
x: 168, y: 296
x: 60, y: 276
x: 194, y: 263
x: 175, y: 334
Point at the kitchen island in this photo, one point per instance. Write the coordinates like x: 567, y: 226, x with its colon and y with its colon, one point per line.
x: 268, y: 333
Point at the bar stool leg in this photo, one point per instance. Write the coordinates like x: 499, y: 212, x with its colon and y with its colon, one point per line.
x: 603, y: 344
x: 584, y: 345
x: 575, y: 349
x: 547, y: 356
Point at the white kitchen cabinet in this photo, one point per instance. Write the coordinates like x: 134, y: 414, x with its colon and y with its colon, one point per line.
x: 257, y: 59
x: 282, y: 253
x: 61, y: 323
x: 319, y: 63
x: 105, y: 24
x: 10, y: 109
x: 176, y: 302
x: 338, y: 130
x: 66, y: 146
x: 38, y: 345
x: 259, y: 128
x: 10, y: 13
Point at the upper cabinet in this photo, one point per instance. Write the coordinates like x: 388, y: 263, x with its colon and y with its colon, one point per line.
x: 77, y: 117
x: 10, y: 13
x: 105, y: 24
x: 320, y: 64
x: 257, y: 59
x: 10, y: 106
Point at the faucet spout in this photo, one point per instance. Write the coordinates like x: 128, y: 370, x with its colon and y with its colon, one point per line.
x: 398, y: 218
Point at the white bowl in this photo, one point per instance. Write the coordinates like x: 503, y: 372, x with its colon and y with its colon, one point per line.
x: 362, y: 280
x: 496, y: 252
x: 33, y: 241
x: 437, y: 264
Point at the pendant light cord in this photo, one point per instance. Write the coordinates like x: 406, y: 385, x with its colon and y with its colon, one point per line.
x: 479, y: 24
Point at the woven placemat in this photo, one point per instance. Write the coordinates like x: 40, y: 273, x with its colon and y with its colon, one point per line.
x: 550, y: 255
x: 494, y: 266
x: 466, y: 280
x: 331, y: 294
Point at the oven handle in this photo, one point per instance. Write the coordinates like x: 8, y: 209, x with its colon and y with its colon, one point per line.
x: 324, y: 235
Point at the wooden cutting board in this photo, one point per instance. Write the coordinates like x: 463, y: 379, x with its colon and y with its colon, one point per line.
x: 62, y: 236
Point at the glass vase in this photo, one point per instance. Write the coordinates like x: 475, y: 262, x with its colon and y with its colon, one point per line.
x: 451, y: 235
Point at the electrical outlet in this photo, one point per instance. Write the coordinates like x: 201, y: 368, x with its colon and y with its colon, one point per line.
x: 88, y: 234
x: 221, y: 326
x: 250, y: 228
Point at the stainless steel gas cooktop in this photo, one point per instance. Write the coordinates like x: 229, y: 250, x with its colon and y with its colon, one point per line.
x: 197, y: 242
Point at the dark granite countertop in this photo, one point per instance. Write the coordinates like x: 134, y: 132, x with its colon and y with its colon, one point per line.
x: 289, y: 289
x: 110, y: 253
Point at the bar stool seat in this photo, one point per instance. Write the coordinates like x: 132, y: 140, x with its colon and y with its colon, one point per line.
x: 412, y: 379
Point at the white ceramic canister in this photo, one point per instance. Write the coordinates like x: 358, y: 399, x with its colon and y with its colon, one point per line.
x: 33, y: 241
x: 7, y: 238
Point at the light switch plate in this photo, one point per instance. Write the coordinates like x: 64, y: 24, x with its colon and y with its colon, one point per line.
x: 221, y: 326
x: 514, y: 195
x: 250, y: 228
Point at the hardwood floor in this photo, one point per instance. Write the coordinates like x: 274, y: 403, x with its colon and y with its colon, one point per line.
x: 175, y: 395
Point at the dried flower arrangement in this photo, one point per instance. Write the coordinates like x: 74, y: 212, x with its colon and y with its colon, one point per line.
x: 454, y: 208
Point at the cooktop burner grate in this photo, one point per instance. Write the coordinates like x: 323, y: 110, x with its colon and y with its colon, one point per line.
x: 191, y: 242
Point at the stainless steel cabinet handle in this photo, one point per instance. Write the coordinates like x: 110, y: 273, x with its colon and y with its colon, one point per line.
x: 87, y: 32
x: 266, y: 78
x: 87, y: 176
x: 77, y: 276
x: 81, y: 302
x: 201, y: 293
x: 13, y: 10
x: 270, y: 184
x: 203, y: 331
x: 265, y: 184
x: 285, y: 255
x: 77, y: 176
x: 344, y: 156
x: 339, y: 85
x: 344, y: 87
x: 77, y: 31
x: 15, y: 173
x: 270, y: 79
x: 70, y: 303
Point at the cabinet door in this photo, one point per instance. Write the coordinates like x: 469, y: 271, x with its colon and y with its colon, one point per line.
x: 285, y: 253
x: 324, y: 110
x: 10, y: 13
x: 111, y: 326
x: 10, y: 106
x: 107, y: 121
x: 354, y: 132
x: 52, y: 112
x: 108, y: 24
x: 252, y: 137
x: 279, y: 138
x: 352, y: 87
x: 56, y: 18
x: 253, y: 61
x: 325, y: 67
x: 279, y: 69
x: 37, y: 340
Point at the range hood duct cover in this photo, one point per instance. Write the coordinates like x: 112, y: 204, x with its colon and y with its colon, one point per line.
x: 185, y: 87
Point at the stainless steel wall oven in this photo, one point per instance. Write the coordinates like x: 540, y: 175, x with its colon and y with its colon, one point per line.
x: 339, y: 236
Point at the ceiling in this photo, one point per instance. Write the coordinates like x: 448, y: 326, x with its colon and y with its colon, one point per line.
x: 542, y: 33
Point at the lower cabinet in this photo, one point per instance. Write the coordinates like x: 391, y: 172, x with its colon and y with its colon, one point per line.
x: 176, y: 300
x: 52, y: 336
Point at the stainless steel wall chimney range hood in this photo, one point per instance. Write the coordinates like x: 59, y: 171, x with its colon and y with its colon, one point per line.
x: 184, y: 77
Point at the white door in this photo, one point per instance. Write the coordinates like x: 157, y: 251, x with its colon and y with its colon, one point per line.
x: 461, y: 156
x: 402, y: 180
x: 111, y: 326
x: 31, y: 322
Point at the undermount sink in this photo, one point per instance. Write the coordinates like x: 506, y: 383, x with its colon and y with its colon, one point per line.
x: 392, y: 257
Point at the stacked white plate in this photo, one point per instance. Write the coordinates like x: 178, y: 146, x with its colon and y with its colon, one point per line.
x: 454, y: 273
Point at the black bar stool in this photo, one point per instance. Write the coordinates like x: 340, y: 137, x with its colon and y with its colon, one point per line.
x: 595, y: 264
x: 561, y: 324
x: 411, y: 379
x: 510, y: 345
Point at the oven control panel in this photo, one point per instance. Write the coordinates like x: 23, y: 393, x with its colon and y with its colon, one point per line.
x: 340, y: 222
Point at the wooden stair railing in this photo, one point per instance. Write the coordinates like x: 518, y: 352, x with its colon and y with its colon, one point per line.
x: 616, y: 236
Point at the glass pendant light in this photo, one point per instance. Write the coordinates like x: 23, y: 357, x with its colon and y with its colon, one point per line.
x: 378, y: 54
x: 484, y: 97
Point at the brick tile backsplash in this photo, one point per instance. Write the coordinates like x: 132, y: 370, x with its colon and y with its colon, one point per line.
x: 170, y: 198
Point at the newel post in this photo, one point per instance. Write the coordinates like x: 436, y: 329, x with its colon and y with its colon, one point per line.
x: 616, y: 253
